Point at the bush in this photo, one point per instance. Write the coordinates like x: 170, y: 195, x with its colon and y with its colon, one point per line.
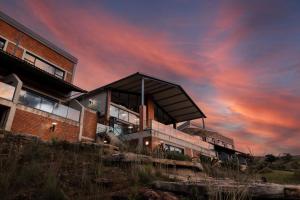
x: 177, y: 156
x: 270, y: 158
x: 265, y: 170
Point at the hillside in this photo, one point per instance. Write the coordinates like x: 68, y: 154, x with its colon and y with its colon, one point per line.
x: 32, y: 169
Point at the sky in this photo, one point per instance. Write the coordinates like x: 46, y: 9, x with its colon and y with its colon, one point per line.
x: 238, y: 60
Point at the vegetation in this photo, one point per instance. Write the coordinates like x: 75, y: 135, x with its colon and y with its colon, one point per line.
x: 278, y: 169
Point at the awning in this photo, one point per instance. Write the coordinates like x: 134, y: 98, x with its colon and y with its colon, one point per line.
x: 168, y: 96
x: 30, y: 73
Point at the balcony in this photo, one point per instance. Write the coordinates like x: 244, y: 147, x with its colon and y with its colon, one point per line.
x: 168, y: 133
x: 41, y: 103
x: 7, y: 91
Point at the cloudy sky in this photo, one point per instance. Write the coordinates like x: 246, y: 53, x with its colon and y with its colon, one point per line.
x: 239, y: 60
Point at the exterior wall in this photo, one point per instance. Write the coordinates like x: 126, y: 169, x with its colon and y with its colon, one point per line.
x: 35, y: 122
x: 13, y: 49
x: 26, y: 43
x: 89, y: 124
x: 100, y: 102
x: 150, y: 111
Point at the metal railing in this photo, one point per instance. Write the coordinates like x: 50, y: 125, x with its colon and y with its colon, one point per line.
x: 7, y: 91
x: 168, y: 133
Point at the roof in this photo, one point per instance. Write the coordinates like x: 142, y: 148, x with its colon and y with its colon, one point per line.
x: 168, y: 96
x: 37, y: 37
x: 192, y: 128
x: 13, y: 64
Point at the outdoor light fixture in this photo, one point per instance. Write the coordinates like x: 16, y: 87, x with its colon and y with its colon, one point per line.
x: 53, y: 126
x: 130, y: 126
x: 105, y: 141
x: 146, y: 142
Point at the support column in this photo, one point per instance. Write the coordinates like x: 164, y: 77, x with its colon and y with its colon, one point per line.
x: 107, y: 113
x: 203, y: 123
x: 143, y: 114
x: 15, y: 81
x: 174, y: 125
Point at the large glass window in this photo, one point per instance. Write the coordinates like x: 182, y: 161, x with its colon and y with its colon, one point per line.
x: 34, y: 60
x: 33, y: 100
x: 114, y: 111
x: 2, y: 43
x: 123, y: 115
x: 173, y: 149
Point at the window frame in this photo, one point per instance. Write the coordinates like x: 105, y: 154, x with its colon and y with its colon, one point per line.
x: 4, y: 43
x: 55, y: 69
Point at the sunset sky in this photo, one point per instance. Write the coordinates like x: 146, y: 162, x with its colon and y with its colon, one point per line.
x: 239, y: 60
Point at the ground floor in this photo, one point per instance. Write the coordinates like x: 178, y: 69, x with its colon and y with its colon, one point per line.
x: 30, y: 112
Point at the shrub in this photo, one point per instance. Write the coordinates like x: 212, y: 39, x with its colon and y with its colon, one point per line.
x: 177, y: 156
x: 265, y: 170
x: 270, y: 158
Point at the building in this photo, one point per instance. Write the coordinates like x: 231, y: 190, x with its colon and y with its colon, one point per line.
x: 223, y: 146
x: 144, y: 111
x: 36, y: 86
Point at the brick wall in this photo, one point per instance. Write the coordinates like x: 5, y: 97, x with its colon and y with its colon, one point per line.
x: 31, y: 123
x: 13, y: 49
x: 36, y: 47
x: 89, y: 124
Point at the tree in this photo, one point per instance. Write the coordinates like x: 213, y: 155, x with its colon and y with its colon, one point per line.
x: 287, y: 157
x: 270, y: 158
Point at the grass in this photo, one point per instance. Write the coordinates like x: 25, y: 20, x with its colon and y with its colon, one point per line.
x: 281, y: 177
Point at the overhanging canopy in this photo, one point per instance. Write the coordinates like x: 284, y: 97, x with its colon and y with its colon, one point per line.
x: 168, y: 96
x: 30, y: 73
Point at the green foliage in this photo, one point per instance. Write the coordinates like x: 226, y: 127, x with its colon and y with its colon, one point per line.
x: 177, y: 156
x: 287, y: 157
x: 266, y: 170
x: 270, y: 158
x: 51, y: 190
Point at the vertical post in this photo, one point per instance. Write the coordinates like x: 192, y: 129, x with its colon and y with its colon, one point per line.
x: 203, y: 123
x: 142, y: 93
x: 142, y: 107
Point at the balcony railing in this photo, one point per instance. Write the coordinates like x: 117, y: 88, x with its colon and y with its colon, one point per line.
x: 35, y: 101
x: 124, y: 114
x: 7, y: 91
x: 191, y: 141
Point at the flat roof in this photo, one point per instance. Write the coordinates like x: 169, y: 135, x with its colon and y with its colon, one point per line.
x: 13, y: 64
x: 37, y: 37
x: 170, y: 97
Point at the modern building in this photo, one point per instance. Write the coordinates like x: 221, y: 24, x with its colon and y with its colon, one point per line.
x: 36, y: 86
x: 223, y: 146
x: 144, y: 111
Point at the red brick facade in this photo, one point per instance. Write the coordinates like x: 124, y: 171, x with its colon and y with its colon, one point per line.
x: 89, y: 124
x: 26, y: 42
x: 31, y: 123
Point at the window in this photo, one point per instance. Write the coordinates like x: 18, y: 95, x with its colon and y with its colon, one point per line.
x: 44, y: 65
x: 114, y: 112
x: 2, y: 43
x: 173, y: 149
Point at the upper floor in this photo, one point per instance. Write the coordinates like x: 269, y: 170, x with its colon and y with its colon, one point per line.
x: 138, y: 99
x: 20, y: 41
